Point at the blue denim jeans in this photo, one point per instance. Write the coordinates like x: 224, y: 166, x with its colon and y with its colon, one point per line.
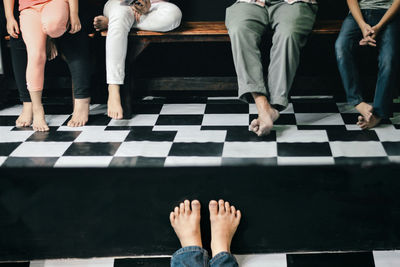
x: 198, y: 257
x: 388, y: 45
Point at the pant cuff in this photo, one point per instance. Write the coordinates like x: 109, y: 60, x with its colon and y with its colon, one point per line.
x: 223, y: 254
x: 246, y: 95
x: 81, y: 96
x: 25, y: 100
x: 355, y: 102
x: 189, y: 249
x: 279, y: 101
x: 115, y: 82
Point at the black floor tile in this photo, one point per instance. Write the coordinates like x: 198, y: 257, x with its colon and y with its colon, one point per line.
x: 350, y: 118
x: 8, y: 120
x: 147, y: 134
x: 54, y: 136
x: 145, y: 262
x: 179, y: 120
x: 322, y: 127
x: 197, y: 149
x: 284, y: 119
x: 92, y: 149
x: 355, y: 135
x: 362, y: 259
x: 392, y: 148
x: 249, y: 161
x: 242, y: 134
x: 16, y: 129
x: 227, y: 108
x: 137, y: 162
x: 225, y: 101
x: 315, y: 106
x: 365, y: 161
x: 7, y: 148
x: 14, y: 264
x: 304, y: 149
x: 95, y: 120
x: 57, y: 109
x: 146, y: 108
x: 30, y: 162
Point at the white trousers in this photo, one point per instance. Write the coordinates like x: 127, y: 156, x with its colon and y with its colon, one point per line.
x: 1, y: 63
x: 162, y: 17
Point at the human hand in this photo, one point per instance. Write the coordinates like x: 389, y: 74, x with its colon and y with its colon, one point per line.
x: 368, y: 36
x: 141, y: 7
x: 13, y: 28
x: 75, y: 24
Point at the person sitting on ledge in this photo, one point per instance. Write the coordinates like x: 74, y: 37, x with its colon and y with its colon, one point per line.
x: 185, y: 220
x: 374, y: 23
x: 247, y: 20
x: 119, y: 19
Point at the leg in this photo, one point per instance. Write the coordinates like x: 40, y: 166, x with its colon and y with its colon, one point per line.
x: 162, y: 17
x: 224, y: 221
x: 345, y: 48
x: 55, y: 16
x: 75, y: 48
x: 121, y: 19
x: 19, y: 62
x: 186, y: 222
x: 291, y: 24
x: 35, y: 40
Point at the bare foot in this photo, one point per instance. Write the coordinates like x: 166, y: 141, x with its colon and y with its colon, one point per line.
x: 114, y: 108
x: 365, y: 110
x: 265, y: 121
x: 25, y: 119
x: 39, y: 123
x: 100, y: 23
x: 80, y: 115
x: 186, y: 223
x: 224, y: 221
x: 51, y: 49
x: 373, y: 121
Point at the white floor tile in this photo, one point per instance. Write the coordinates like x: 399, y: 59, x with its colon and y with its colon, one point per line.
x: 97, y: 109
x: 357, y: 149
x: 319, y: 119
x: 7, y: 136
x: 177, y: 128
x: 249, y: 149
x: 387, y: 258
x: 146, y: 149
x: 288, y: 110
x: 353, y: 127
x: 102, y: 136
x: 387, y: 133
x: 11, y: 111
x: 290, y: 134
x: 306, y: 160
x: 105, y: 262
x: 83, y: 128
x: 253, y: 109
x: 172, y: 109
x: 41, y: 149
x: 137, y: 120
x: 200, y: 136
x: 83, y: 162
x: 261, y: 260
x: 192, y: 161
x: 56, y: 120
x: 346, y: 108
x: 395, y: 159
x: 225, y: 119
x: 2, y: 159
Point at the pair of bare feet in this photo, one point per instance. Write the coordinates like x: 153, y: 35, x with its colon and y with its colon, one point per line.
x: 224, y: 219
x: 267, y: 115
x: 33, y: 115
x: 367, y: 120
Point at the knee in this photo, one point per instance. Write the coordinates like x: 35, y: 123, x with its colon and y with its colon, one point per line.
x: 288, y: 33
x: 241, y: 30
x: 169, y: 18
x: 54, y: 27
x: 37, y: 58
x: 120, y: 17
x: 388, y: 60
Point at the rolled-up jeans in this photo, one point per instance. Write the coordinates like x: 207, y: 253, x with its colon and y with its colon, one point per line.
x: 198, y: 257
x: 388, y: 45
x: 162, y: 17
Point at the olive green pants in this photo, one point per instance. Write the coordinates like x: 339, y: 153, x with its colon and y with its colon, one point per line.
x: 291, y: 25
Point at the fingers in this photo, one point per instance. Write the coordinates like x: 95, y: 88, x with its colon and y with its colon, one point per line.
x: 75, y: 28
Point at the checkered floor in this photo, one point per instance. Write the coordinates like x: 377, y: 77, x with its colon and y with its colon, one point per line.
x: 201, y: 131
x: 361, y: 259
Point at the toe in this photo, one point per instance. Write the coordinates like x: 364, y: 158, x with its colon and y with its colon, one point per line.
x: 227, y: 207
x: 181, y: 208
x: 187, y: 206
x: 172, y: 217
x: 213, y: 207
x: 238, y: 215
x: 233, y: 210
x: 221, y: 206
x: 176, y: 211
x: 196, y: 206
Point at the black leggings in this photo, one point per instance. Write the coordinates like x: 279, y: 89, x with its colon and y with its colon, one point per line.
x: 74, y: 47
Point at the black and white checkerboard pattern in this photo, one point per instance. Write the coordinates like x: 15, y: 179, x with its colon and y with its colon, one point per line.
x: 201, y: 131
x: 360, y: 259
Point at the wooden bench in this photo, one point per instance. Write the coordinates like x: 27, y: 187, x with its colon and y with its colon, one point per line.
x: 187, y: 32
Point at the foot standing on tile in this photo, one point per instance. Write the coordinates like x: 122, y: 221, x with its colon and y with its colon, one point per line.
x: 375, y: 24
x: 247, y: 21
x: 185, y: 220
x: 119, y: 19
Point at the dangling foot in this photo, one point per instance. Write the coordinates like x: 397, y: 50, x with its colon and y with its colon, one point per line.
x: 100, y: 23
x: 365, y: 125
x: 224, y: 221
x: 39, y: 122
x: 80, y: 115
x: 365, y: 110
x: 186, y: 223
x: 114, y: 108
x: 265, y: 121
x: 25, y: 119
x: 51, y: 49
